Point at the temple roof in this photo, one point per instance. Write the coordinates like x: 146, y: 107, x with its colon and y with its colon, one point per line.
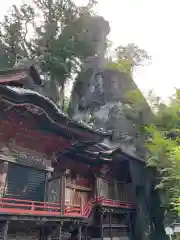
x: 97, y: 153
x: 41, y: 105
x: 19, y: 74
x: 87, y: 144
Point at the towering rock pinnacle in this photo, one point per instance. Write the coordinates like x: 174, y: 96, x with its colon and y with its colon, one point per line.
x: 100, y: 96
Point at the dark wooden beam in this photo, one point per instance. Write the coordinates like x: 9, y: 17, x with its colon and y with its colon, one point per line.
x: 101, y: 223
x: 110, y: 225
x: 62, y: 194
x: 4, y: 230
x: 86, y: 233
x: 79, y: 233
x: 43, y: 234
x: 60, y: 231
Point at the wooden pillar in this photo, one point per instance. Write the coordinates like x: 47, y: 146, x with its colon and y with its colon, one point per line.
x: 102, y: 229
x: 62, y: 195
x: 136, y: 231
x: 110, y: 225
x: 4, y: 230
x: 130, y: 225
x: 97, y: 193
x: 60, y: 232
x: 79, y: 233
x: 86, y: 233
x: 42, y: 234
x: 46, y: 188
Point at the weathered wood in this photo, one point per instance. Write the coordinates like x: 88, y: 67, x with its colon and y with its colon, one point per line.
x: 60, y: 232
x: 80, y: 233
x: 43, y: 234
x: 110, y: 225
x: 74, y: 186
x: 62, y: 194
x: 101, y: 223
x: 86, y: 233
x: 3, y: 230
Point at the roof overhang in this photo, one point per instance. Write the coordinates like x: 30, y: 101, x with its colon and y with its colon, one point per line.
x: 19, y: 75
x: 40, y: 105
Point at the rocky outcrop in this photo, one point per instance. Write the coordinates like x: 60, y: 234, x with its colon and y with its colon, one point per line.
x: 103, y: 100
x: 99, y: 96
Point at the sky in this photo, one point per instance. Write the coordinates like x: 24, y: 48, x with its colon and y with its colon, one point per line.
x: 153, y: 26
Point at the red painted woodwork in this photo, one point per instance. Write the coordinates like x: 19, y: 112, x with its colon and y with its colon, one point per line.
x: 73, y: 211
x: 18, y: 207
x: 82, y: 182
x: 82, y: 134
x: 88, y: 208
x: 115, y: 203
x: 27, y: 138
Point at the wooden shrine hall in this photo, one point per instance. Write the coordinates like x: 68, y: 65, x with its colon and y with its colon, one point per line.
x: 57, y: 178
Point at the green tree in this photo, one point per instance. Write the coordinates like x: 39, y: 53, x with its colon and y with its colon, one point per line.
x: 120, y: 65
x: 163, y: 145
x: 127, y: 58
x: 52, y: 33
x: 14, y: 30
x: 132, y: 53
x: 161, y: 130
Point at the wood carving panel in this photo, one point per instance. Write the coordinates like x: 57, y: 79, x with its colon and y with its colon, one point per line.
x: 53, y: 191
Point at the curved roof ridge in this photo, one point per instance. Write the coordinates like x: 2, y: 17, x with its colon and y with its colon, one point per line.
x: 19, y: 96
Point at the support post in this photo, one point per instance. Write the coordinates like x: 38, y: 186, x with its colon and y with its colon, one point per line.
x: 97, y: 193
x: 86, y: 233
x: 63, y: 188
x: 110, y: 225
x: 60, y: 231
x: 42, y: 234
x: 4, y: 230
x: 80, y: 233
x: 102, y: 232
x: 130, y: 225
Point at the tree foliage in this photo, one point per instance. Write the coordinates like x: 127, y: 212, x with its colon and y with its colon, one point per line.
x: 162, y: 142
x: 120, y: 65
x: 127, y: 58
x: 132, y: 53
x: 52, y: 32
x: 161, y: 132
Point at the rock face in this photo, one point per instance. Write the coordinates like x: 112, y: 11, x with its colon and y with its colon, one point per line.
x: 102, y: 99
x: 100, y: 95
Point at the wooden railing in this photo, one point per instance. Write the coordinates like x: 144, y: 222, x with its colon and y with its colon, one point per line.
x: 88, y: 208
x: 115, y: 203
x: 18, y: 206
x: 72, y: 210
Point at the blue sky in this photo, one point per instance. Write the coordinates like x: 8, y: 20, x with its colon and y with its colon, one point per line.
x: 151, y: 24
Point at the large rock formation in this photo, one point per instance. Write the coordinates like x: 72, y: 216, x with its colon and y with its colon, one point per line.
x: 103, y: 100
x: 100, y: 97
